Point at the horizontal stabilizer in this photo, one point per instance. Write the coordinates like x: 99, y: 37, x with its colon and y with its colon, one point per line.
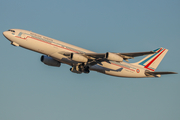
x: 158, y: 74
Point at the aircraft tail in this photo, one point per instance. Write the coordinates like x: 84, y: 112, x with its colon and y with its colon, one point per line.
x: 152, y: 61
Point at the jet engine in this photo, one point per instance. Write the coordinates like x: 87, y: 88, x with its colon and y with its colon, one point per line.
x: 78, y: 58
x: 113, y: 57
x: 50, y: 61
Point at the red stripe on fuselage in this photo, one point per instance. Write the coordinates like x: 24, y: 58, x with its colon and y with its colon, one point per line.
x: 46, y: 42
x: 68, y: 49
x: 150, y: 69
x: 122, y: 66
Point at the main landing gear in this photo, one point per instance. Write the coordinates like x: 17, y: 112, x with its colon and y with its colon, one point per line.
x: 80, y: 69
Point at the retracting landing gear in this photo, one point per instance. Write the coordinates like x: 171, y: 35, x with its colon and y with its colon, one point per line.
x: 86, y: 69
x: 80, y: 69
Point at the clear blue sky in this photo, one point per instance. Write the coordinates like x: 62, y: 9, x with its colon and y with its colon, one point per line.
x: 30, y: 90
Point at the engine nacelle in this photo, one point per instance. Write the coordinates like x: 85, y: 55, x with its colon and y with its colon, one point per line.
x: 50, y: 61
x: 78, y: 58
x: 113, y: 57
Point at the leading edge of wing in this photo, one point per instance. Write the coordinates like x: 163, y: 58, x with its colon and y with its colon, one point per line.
x: 124, y: 55
x: 136, y: 54
x: 94, y: 55
x: 100, y: 56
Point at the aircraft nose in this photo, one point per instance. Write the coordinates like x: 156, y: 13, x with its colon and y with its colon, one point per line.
x: 5, y: 33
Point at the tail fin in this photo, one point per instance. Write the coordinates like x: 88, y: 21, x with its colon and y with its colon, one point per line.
x: 152, y: 61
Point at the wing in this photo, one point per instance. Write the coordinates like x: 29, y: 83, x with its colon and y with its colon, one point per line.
x: 94, y: 58
x: 136, y: 54
x: 124, y: 55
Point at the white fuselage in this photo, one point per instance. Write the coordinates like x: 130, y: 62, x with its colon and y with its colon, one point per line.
x: 54, y: 48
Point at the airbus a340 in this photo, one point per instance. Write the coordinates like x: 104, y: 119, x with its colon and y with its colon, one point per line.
x: 83, y: 61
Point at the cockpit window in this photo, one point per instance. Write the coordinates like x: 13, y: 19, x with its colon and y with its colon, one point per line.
x: 11, y: 30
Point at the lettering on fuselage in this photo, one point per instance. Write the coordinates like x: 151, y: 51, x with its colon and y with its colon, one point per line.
x: 48, y: 40
x: 40, y: 37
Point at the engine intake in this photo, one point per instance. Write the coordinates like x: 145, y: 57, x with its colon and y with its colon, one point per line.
x: 113, y: 57
x: 50, y: 61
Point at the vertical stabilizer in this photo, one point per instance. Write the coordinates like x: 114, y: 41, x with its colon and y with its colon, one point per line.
x: 152, y: 61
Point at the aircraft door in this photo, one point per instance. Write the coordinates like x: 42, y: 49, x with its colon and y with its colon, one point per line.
x: 24, y: 36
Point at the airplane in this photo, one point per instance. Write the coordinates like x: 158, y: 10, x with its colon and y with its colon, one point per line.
x: 83, y: 61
